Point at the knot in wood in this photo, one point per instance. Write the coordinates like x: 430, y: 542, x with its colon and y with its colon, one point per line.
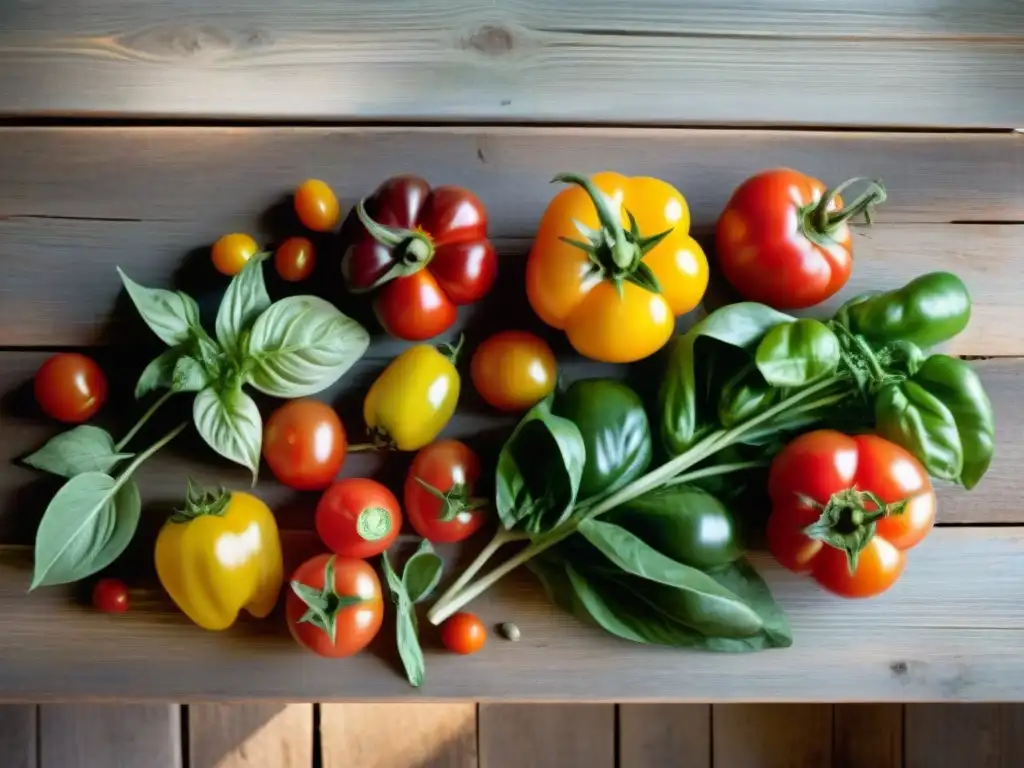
x: 491, y: 40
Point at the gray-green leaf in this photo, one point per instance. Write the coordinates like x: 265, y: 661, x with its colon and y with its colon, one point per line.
x: 230, y: 423
x: 798, y: 353
x: 301, y: 345
x: 159, y: 374
x: 189, y: 375
x: 79, y: 450
x: 171, y: 315
x: 244, y: 301
x: 86, y: 526
x: 407, y: 631
x: 422, y: 572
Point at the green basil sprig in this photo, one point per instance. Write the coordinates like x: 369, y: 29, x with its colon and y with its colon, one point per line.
x: 419, y: 578
x: 83, y: 449
x: 797, y: 354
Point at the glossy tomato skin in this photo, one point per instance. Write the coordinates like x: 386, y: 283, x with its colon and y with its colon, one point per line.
x: 513, y: 370
x: 70, y: 387
x: 464, y: 634
x: 295, y: 259
x: 414, y: 308
x: 232, y: 252
x: 304, y: 444
x: 110, y: 596
x: 817, y: 465
x: 452, y: 468
x: 763, y: 247
x: 316, y: 206
x: 358, y: 517
x: 357, y: 624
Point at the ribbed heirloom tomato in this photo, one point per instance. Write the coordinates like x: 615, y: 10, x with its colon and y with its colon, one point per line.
x: 439, y: 501
x: 845, y: 510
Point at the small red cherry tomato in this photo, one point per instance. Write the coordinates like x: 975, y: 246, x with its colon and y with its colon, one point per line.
x: 232, y: 252
x: 358, y: 517
x: 295, y: 259
x: 316, y: 206
x: 463, y: 633
x: 304, y: 444
x: 110, y: 596
x: 70, y: 387
x: 513, y: 370
x: 439, y: 501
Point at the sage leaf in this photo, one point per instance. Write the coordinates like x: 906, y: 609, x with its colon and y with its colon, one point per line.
x: 539, y: 470
x: 159, y: 374
x: 86, y: 526
x: 245, y: 300
x: 230, y: 423
x: 407, y: 631
x: 172, y: 315
x: 301, y: 345
x: 422, y: 572
x: 189, y: 375
x: 79, y: 450
x: 798, y: 353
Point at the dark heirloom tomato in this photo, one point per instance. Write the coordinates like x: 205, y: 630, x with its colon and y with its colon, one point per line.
x: 422, y: 251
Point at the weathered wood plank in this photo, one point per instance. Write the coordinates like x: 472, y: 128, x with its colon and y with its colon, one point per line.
x: 904, y: 646
x: 105, y: 735
x: 665, y: 735
x: 771, y: 735
x: 18, y: 735
x: 868, y: 736
x: 973, y: 736
x: 516, y: 60
x: 250, y: 735
x: 547, y: 736
x: 383, y: 735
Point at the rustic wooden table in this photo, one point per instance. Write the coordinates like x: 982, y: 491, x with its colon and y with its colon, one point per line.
x: 135, y: 136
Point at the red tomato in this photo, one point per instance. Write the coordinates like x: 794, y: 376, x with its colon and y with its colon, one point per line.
x: 316, y: 206
x: 304, y: 444
x: 110, y: 596
x: 513, y: 370
x: 825, y: 477
x: 232, y: 252
x: 295, y: 259
x: 354, y: 606
x: 463, y: 633
x: 783, y: 242
x: 439, y: 498
x: 414, y: 308
x: 358, y: 517
x: 70, y: 387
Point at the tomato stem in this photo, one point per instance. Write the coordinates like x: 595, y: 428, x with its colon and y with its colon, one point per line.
x: 825, y: 222
x: 412, y: 248
x: 451, y: 351
x: 145, y: 417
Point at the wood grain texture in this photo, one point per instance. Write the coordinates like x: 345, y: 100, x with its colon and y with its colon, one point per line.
x: 250, y: 735
x: 771, y: 735
x: 547, y: 736
x: 665, y: 735
x: 18, y: 735
x: 423, y: 735
x: 106, y: 735
x: 975, y: 736
x: 522, y: 60
x: 868, y: 736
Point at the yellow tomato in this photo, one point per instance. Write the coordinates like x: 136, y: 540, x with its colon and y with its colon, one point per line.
x: 221, y: 554
x: 316, y: 206
x: 600, y: 290
x: 232, y: 252
x: 414, y: 398
x: 513, y: 370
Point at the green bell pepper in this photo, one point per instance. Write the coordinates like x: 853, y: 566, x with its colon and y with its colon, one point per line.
x: 616, y: 433
x: 929, y: 310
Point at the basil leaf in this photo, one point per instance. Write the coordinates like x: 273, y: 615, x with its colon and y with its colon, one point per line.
x: 746, y: 583
x: 406, y: 628
x: 911, y: 416
x: 301, y: 345
x: 745, y: 395
x: 799, y: 353
x: 86, y: 526
x: 159, y: 374
x: 172, y: 315
x: 740, y: 325
x: 395, y: 585
x: 189, y: 375
x: 244, y: 301
x: 539, y: 470
x: 230, y: 423
x: 422, y: 572
x: 79, y: 450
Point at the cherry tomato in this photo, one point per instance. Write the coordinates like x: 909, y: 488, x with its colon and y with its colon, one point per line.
x: 513, y: 370
x: 316, y: 206
x: 295, y: 259
x: 439, y: 498
x: 70, y: 387
x: 358, y: 517
x: 463, y: 633
x: 304, y: 444
x: 110, y: 596
x: 354, y: 624
x: 823, y: 478
x: 232, y: 252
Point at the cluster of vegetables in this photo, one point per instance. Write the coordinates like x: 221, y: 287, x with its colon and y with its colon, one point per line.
x: 631, y: 504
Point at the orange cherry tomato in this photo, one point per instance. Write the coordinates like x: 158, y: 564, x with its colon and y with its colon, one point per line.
x: 513, y: 370
x: 463, y: 633
x: 316, y: 206
x: 232, y: 252
x: 295, y: 259
x: 70, y: 387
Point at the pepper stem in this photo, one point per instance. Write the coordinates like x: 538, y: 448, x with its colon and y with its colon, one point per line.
x: 846, y: 523
x: 824, y: 222
x: 624, y: 253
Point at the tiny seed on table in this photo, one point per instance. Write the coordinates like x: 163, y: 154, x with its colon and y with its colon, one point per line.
x: 510, y: 631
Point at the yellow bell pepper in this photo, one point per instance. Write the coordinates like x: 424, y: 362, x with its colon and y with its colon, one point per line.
x: 220, y: 554
x: 414, y: 398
